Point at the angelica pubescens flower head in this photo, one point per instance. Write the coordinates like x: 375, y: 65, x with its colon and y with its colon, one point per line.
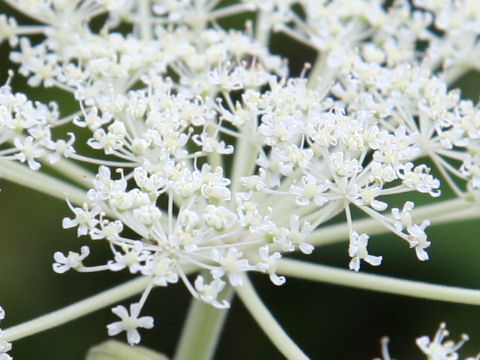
x: 211, y: 158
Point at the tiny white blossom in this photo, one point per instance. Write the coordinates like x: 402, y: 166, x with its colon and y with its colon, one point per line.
x: 132, y: 258
x: 5, y: 346
x: 85, y: 218
x: 61, y: 148
x: 129, y: 322
x: 403, y: 218
x: 418, y: 239
x: 72, y: 261
x: 358, y: 251
x: 299, y: 236
x: 162, y: 270
x: 231, y: 263
x: 437, y: 348
x: 209, y: 292
x: 419, y: 178
x: 268, y: 264
x: 29, y: 152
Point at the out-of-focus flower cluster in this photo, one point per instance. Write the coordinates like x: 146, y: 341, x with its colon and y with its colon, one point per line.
x: 212, y: 158
x: 435, y: 349
x: 5, y: 346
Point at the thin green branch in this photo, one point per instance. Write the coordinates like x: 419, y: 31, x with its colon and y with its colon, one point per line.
x: 46, y: 184
x: 267, y: 322
x: 418, y: 289
x: 202, y: 329
x: 76, y: 310
x: 75, y: 172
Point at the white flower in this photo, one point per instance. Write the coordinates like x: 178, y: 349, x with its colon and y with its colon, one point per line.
x: 209, y: 292
x: 231, y: 263
x: 8, y: 30
x: 61, y: 148
x: 418, y: 239
x: 129, y: 322
x: 219, y: 217
x: 358, y: 251
x: 437, y: 349
x: 299, y: 236
x: 109, y: 230
x: 28, y: 151
x: 5, y: 346
x: 163, y: 271
x: 131, y: 257
x: 311, y: 189
x: 72, y: 261
x: 85, y: 218
x: 404, y: 217
x: 419, y: 178
x: 267, y: 264
x: 367, y: 196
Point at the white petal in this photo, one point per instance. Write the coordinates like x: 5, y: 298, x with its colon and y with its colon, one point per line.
x: 133, y: 336
x: 373, y: 260
x: 422, y: 255
x: 115, y: 328
x: 277, y: 280
x: 68, y: 223
x: 59, y: 257
x: 60, y: 268
x: 354, y: 264
x: 145, y: 322
x: 235, y: 279
x: 120, y: 311
x: 306, y: 248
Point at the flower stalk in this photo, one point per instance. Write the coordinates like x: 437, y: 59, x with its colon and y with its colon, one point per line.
x: 202, y: 329
x: 76, y: 310
x: 268, y: 323
x: 380, y: 283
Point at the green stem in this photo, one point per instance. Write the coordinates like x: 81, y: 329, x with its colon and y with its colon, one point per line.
x: 454, y: 73
x: 35, y: 180
x: 75, y: 172
x: 244, y: 162
x: 267, y: 322
x: 76, y: 310
x: 262, y: 29
x: 214, y: 157
x: 418, y: 289
x: 321, y: 76
x: 145, y: 20
x: 201, y: 331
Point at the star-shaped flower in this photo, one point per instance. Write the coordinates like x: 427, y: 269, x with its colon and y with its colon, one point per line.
x: 129, y: 322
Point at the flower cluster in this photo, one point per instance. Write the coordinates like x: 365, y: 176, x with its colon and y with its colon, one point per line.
x: 436, y: 348
x: 25, y: 130
x: 211, y: 158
